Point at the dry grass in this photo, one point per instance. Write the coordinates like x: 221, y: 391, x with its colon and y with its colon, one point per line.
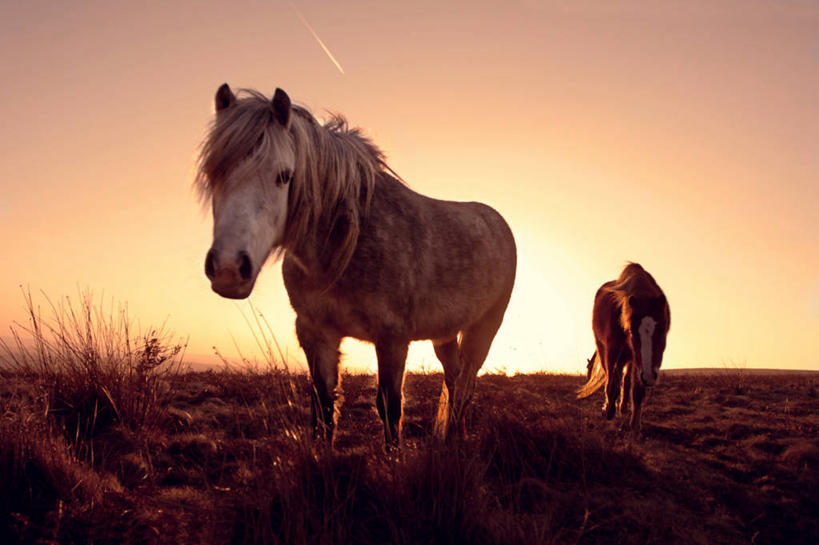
x: 234, y: 463
x: 227, y: 457
x: 91, y: 368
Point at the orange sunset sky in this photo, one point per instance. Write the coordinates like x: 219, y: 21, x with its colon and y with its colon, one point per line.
x: 681, y: 135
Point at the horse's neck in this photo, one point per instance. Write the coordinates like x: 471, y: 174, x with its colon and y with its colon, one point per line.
x: 313, y: 254
x: 306, y: 254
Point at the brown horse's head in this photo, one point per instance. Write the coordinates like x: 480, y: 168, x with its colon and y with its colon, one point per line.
x: 648, y: 324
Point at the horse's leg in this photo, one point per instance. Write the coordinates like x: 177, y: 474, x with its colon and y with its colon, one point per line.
x: 392, y: 357
x: 638, y: 393
x: 447, y: 352
x: 614, y: 375
x: 625, y: 391
x: 603, y: 354
x: 321, y: 351
x: 472, y: 351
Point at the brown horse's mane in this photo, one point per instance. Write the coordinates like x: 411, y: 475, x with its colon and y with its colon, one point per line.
x: 633, y: 281
x: 336, y: 168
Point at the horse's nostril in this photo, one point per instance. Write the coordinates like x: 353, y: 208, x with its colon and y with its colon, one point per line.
x: 245, y: 269
x: 210, y: 264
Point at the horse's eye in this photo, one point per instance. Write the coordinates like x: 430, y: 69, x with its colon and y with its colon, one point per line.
x: 283, y: 177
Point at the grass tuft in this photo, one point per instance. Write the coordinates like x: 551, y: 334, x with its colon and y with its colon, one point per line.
x: 94, y: 372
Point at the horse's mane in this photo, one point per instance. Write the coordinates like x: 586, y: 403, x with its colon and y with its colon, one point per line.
x: 633, y: 281
x: 335, y: 171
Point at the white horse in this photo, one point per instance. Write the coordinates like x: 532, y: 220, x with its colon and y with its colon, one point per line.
x: 364, y: 255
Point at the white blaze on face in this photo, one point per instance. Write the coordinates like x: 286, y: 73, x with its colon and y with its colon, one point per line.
x: 646, y: 332
x: 251, y: 215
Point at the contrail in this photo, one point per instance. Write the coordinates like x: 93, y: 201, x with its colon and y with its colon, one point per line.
x: 313, y: 32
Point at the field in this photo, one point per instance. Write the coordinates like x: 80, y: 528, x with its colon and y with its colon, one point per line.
x: 226, y: 457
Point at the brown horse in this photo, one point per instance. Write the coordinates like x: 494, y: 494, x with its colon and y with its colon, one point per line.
x: 630, y: 321
x: 364, y: 255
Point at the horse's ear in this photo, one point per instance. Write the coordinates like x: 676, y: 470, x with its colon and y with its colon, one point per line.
x: 632, y: 301
x: 224, y: 97
x: 281, y: 108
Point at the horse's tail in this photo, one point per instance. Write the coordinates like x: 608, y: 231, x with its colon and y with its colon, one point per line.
x: 596, y: 377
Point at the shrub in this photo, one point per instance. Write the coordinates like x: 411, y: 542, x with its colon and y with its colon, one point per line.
x: 94, y: 372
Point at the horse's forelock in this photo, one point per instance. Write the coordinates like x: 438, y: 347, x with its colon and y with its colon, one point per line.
x: 237, y: 134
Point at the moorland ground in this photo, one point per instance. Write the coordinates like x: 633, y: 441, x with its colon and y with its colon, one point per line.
x: 227, y: 457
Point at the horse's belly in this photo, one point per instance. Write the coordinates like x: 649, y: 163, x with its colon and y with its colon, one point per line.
x: 343, y: 320
x: 403, y: 314
x: 368, y: 323
x: 443, y: 319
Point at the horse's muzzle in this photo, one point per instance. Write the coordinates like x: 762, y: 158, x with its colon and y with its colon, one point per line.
x: 232, y: 290
x: 649, y: 380
x: 232, y: 280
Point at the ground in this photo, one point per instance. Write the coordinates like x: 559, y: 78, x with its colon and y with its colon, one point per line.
x: 723, y: 458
